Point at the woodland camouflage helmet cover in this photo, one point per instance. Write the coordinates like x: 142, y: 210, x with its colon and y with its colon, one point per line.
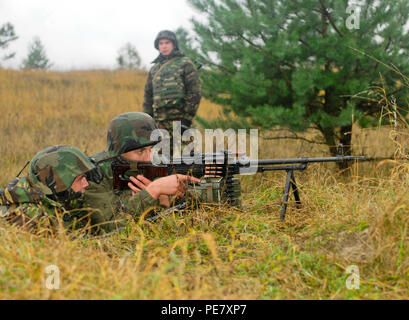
x: 130, y: 131
x: 169, y: 35
x: 54, y: 169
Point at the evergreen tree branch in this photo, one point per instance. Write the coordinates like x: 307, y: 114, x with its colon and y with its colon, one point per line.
x: 325, y: 10
x: 275, y: 66
x: 304, y: 43
x: 251, y: 42
x: 287, y: 80
x: 298, y: 16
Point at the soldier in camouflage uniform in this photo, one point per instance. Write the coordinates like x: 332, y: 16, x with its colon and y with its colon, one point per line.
x: 128, y: 140
x: 172, y: 90
x: 51, y: 192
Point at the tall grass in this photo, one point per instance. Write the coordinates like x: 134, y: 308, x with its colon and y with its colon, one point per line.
x: 213, y: 252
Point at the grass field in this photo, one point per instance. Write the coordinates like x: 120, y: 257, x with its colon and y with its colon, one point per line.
x: 212, y: 253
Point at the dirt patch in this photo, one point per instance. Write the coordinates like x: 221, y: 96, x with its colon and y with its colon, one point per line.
x: 355, y: 247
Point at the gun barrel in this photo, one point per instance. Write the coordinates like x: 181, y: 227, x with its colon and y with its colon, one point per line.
x: 305, y: 160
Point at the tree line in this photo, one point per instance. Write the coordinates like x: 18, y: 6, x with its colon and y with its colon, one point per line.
x: 128, y: 56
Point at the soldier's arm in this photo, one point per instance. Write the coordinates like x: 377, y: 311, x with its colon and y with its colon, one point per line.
x: 140, y: 202
x: 148, y: 196
x: 104, y: 207
x: 148, y: 96
x: 192, y: 89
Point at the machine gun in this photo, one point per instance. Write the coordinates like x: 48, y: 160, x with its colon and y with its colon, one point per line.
x: 223, y: 165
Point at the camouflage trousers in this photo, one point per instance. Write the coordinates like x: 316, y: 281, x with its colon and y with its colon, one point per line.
x: 168, y: 125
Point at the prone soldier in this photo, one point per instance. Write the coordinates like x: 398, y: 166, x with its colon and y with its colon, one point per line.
x: 51, y: 193
x: 128, y: 139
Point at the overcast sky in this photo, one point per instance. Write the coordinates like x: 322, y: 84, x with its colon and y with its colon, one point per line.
x: 82, y: 34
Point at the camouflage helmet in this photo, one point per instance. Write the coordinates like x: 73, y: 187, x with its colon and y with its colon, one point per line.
x: 169, y: 35
x: 54, y: 169
x: 130, y: 131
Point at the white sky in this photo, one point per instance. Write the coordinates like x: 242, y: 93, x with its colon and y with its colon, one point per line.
x: 83, y: 34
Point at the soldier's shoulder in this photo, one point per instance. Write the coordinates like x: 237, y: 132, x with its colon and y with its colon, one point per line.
x: 155, y: 67
x: 188, y: 65
x: 104, y: 166
x: 98, y: 156
x: 185, y: 60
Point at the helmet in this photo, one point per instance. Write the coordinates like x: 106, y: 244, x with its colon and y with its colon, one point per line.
x: 166, y: 34
x: 54, y: 169
x: 130, y: 131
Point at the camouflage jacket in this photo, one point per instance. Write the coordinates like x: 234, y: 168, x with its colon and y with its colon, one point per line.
x: 23, y: 205
x: 112, y: 208
x: 172, y: 90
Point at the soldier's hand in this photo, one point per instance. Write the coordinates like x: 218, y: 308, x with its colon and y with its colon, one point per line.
x: 142, y: 182
x: 138, y: 183
x: 164, y: 200
x: 171, y: 185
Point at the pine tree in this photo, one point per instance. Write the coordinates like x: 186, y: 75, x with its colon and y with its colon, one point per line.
x: 128, y: 57
x: 7, y: 35
x: 299, y: 64
x: 36, y: 58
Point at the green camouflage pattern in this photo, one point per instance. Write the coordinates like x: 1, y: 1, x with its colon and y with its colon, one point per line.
x: 107, y: 208
x: 172, y: 90
x: 169, y: 35
x: 24, y: 201
x: 126, y: 132
x: 130, y: 131
x: 23, y: 205
x: 26, y: 215
x: 104, y: 166
x: 20, y: 202
x: 114, y: 208
x: 54, y: 169
x: 20, y: 190
x: 99, y: 211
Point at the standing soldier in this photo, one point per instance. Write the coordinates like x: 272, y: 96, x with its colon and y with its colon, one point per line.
x: 172, y: 91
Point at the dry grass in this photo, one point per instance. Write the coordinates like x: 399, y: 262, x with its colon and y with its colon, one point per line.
x: 211, y: 253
